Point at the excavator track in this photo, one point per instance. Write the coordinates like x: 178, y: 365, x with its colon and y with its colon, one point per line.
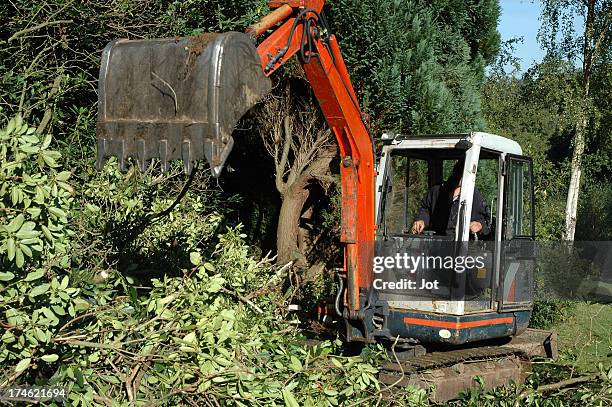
x: 447, y: 373
x: 437, y: 360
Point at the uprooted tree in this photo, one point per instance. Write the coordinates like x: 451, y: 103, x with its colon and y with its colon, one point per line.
x: 300, y: 143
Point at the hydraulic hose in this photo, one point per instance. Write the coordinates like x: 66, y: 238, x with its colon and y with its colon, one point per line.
x: 339, y: 294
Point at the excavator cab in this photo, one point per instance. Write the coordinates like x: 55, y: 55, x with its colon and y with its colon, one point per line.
x: 453, y: 285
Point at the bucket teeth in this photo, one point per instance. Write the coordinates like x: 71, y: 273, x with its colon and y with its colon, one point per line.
x: 102, y: 151
x: 142, y: 162
x: 121, y: 154
x: 163, y: 155
x: 186, y: 155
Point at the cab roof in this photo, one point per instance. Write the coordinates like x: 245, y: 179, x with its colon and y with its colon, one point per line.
x: 485, y: 140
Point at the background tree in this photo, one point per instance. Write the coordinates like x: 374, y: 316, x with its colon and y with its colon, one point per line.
x: 418, y: 65
x: 538, y: 110
x: 559, y: 38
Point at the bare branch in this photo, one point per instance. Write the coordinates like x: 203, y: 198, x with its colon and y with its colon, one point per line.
x: 49, y: 110
x: 288, y: 133
x: 37, y: 27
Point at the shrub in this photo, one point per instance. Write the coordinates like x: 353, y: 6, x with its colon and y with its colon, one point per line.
x: 210, y: 334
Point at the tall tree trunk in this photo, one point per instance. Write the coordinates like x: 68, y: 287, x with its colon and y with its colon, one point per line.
x: 571, y: 207
x: 588, y: 51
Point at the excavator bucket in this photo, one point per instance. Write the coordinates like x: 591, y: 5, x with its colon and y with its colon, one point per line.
x: 176, y: 98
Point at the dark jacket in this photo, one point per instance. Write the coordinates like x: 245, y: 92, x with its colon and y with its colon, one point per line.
x: 440, y: 212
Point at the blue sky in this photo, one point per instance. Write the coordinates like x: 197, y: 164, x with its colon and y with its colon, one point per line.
x: 519, y: 18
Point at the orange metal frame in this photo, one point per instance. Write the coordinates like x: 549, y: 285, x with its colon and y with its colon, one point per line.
x: 329, y: 78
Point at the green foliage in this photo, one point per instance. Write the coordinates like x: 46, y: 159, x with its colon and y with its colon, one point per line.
x: 194, y: 334
x: 35, y: 210
x: 219, y: 332
x: 418, y: 65
x: 134, y: 222
x: 558, y: 33
x: 594, y: 392
x: 549, y: 312
x: 596, y: 204
x: 35, y: 197
x: 540, y: 110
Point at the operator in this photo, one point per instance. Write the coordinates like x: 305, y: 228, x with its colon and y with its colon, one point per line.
x: 440, y: 208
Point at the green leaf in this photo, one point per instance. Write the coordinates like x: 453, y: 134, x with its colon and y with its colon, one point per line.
x: 63, y: 176
x: 50, y: 315
x: 47, y: 141
x: 47, y: 233
x: 40, y: 334
x: 11, y: 126
x: 39, y: 289
x: 27, y: 234
x: 25, y: 249
x: 92, y: 208
x: 195, y: 258
x: 50, y: 358
x: 66, y: 187
x: 6, y: 276
x: 190, y: 338
x: 295, y: 364
x: 19, y: 259
x: 57, y: 212
x: 50, y: 161
x: 16, y: 196
x: 35, y: 212
x: 10, y: 248
x: 23, y: 365
x: 336, y: 362
x: 289, y: 398
x: 15, y: 224
x: 30, y: 149
x: 35, y: 275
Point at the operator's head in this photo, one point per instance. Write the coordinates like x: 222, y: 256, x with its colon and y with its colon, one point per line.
x: 455, y: 177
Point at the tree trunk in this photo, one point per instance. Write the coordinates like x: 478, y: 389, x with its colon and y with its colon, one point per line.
x: 294, y: 196
x: 571, y: 207
x: 589, y: 51
x: 289, y: 222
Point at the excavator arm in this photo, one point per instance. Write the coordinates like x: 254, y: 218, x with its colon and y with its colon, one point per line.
x: 180, y: 98
x: 304, y: 31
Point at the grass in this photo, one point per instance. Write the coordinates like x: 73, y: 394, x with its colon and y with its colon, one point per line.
x: 585, y: 338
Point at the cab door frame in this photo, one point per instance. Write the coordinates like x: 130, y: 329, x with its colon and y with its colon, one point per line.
x: 525, y: 242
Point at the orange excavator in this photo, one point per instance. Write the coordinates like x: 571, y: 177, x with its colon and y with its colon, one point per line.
x: 180, y: 98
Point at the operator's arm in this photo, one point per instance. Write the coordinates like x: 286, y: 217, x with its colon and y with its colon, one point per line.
x: 423, y: 218
x: 480, y: 214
